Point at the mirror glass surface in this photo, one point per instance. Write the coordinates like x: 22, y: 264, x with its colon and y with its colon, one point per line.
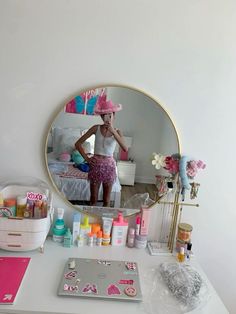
x: 146, y: 128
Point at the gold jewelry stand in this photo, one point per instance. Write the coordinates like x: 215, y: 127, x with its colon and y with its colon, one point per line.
x: 176, y: 214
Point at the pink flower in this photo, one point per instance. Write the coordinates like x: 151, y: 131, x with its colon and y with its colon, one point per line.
x: 200, y: 164
x: 193, y: 166
x: 172, y: 165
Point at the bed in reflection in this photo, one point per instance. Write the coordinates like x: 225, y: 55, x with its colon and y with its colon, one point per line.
x: 74, y: 185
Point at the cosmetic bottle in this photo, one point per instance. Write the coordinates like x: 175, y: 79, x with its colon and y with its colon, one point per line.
x: 145, y: 220
x: 95, y: 228
x: 90, y: 241
x: 85, y: 227
x: 11, y: 204
x: 76, y: 226
x: 140, y: 241
x: 106, y: 227
x: 131, y: 237
x: 80, y: 241
x: 181, y: 255
x: 67, y: 238
x: 37, y: 209
x: 99, y: 238
x: 119, y: 231
x: 21, y: 202
x: 137, y: 226
x: 59, y: 229
x: 189, y: 252
x: 44, y: 209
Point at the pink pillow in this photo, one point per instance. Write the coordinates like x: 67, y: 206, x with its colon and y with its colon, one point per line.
x: 65, y: 157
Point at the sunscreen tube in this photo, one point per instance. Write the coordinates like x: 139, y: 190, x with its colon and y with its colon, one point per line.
x: 76, y: 227
x: 145, y: 220
x: 107, y: 224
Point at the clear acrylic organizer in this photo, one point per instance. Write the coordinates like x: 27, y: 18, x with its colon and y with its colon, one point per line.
x: 20, y: 233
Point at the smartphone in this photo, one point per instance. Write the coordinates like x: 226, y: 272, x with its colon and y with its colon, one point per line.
x: 107, y: 118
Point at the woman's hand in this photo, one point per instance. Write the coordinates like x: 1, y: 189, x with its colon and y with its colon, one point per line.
x: 91, y: 161
x: 110, y: 128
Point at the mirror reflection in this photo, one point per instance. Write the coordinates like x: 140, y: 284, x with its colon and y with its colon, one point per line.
x: 136, y: 125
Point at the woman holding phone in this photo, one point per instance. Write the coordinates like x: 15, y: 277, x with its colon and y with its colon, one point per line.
x: 102, y: 166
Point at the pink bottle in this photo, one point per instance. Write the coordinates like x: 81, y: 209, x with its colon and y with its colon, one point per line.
x: 145, y: 220
x: 119, y: 231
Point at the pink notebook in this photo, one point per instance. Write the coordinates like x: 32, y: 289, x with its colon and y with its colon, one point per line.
x: 12, y: 270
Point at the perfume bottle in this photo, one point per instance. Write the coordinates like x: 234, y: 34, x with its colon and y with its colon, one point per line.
x: 181, y: 255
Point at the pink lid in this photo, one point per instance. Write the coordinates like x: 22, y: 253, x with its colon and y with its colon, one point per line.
x: 138, y: 220
x: 120, y: 221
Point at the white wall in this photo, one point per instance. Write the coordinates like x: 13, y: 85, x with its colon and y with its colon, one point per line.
x: 181, y: 52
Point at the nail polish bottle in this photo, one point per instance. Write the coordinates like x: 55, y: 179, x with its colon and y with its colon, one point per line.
x: 189, y: 247
x: 181, y: 255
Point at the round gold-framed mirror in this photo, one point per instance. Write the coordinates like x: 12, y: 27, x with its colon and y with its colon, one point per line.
x: 146, y: 128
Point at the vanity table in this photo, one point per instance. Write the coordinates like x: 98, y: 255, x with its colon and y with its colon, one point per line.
x: 38, y: 291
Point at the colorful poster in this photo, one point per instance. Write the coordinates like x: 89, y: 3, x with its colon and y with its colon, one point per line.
x: 85, y: 102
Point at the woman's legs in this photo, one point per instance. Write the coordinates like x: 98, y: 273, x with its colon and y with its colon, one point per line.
x: 107, y: 187
x: 94, y: 188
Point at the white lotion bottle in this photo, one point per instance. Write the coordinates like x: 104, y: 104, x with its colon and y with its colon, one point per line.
x: 119, y: 231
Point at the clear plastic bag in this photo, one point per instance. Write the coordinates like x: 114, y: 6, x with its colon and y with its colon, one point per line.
x: 138, y: 200
x: 173, y: 288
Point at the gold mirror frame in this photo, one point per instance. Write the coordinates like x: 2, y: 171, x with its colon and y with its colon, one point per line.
x: 100, y: 211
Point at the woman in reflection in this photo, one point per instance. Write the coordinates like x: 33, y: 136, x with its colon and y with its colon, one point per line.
x: 102, y: 166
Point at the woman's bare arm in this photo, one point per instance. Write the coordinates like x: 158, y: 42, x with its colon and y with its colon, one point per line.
x: 82, y: 139
x: 119, y: 138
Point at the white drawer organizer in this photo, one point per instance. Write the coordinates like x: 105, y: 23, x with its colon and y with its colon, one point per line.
x: 24, y: 234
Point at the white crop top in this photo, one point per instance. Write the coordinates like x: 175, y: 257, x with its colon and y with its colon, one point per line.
x: 104, y: 146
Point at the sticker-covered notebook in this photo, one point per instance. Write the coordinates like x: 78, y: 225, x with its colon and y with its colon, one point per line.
x: 12, y: 270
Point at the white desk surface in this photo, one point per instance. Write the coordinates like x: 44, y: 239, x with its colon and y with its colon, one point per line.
x: 38, y: 291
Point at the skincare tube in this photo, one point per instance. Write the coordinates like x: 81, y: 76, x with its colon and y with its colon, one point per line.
x: 107, y: 224
x: 76, y: 226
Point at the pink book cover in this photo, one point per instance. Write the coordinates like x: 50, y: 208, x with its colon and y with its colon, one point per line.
x: 12, y: 270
